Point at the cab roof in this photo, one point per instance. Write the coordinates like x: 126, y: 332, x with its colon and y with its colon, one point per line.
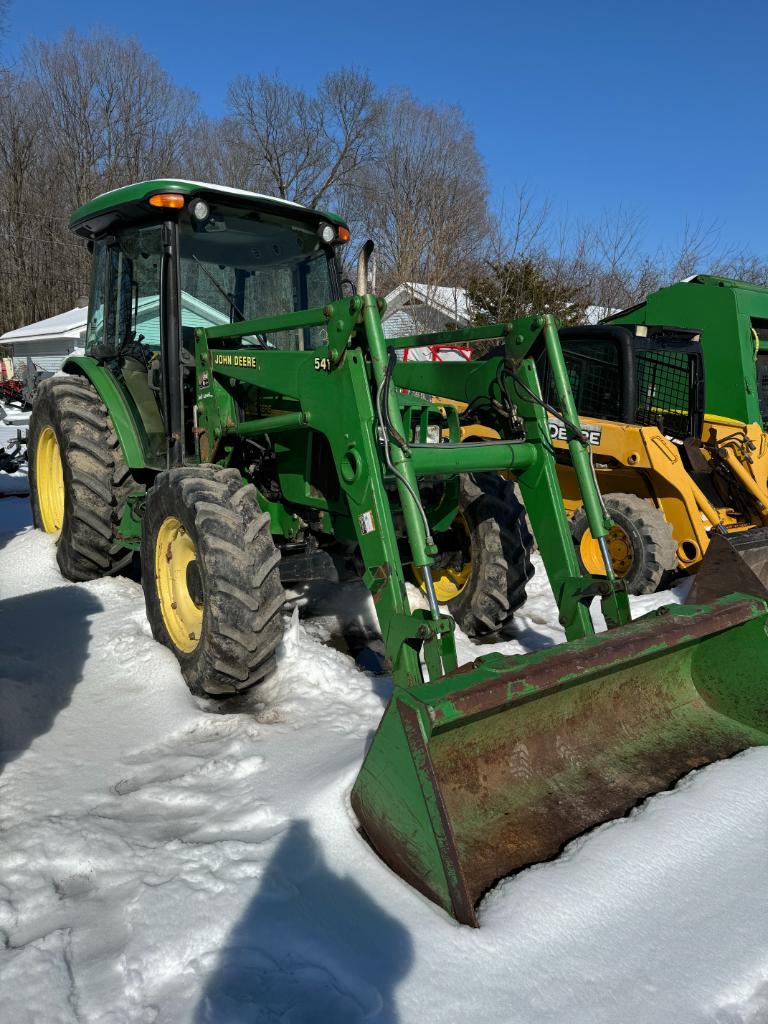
x: 105, y: 211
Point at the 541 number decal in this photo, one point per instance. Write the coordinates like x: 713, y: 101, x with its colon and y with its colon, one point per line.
x: 323, y: 363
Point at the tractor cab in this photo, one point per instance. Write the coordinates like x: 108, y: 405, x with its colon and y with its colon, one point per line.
x: 173, y: 256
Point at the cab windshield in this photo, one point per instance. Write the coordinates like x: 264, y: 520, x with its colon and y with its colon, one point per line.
x: 242, y: 265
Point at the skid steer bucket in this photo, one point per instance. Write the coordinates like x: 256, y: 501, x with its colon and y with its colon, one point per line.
x: 498, y: 764
x: 736, y: 562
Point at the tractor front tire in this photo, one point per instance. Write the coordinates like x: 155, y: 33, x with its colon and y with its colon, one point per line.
x: 483, y: 582
x: 211, y: 578
x: 642, y: 546
x: 78, y: 478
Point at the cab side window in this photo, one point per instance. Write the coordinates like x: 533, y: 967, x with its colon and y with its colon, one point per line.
x: 124, y: 324
x: 97, y: 302
x: 124, y: 309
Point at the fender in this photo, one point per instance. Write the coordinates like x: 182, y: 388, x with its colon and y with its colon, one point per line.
x: 123, y: 419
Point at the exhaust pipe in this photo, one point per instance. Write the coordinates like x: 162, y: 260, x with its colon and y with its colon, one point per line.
x: 363, y: 263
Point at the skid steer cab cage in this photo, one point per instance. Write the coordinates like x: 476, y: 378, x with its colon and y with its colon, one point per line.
x: 477, y: 771
x: 650, y: 376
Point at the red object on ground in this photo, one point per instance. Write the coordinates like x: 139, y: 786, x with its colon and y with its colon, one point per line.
x: 438, y: 354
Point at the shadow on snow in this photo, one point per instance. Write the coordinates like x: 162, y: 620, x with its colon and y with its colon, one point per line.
x: 311, y: 947
x: 44, y: 640
x: 15, y: 515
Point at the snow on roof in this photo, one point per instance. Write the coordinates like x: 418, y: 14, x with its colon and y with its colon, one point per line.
x: 452, y: 302
x: 129, y: 193
x: 594, y: 314
x: 64, y: 325
x: 226, y: 189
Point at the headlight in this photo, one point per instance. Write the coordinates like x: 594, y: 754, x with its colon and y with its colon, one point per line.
x: 327, y: 233
x: 199, y: 209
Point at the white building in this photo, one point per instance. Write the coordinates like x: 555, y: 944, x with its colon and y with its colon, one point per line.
x: 47, y: 342
x: 414, y: 308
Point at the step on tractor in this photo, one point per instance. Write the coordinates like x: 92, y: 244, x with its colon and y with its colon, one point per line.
x: 671, y: 472
x: 242, y: 424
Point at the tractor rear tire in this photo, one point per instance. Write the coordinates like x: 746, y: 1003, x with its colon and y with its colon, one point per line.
x: 78, y: 478
x: 499, y: 550
x: 211, y: 578
x: 645, y: 533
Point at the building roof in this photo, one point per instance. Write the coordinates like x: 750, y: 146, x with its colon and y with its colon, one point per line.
x: 72, y: 324
x: 450, y: 302
x: 453, y: 303
x: 596, y: 314
x: 64, y: 325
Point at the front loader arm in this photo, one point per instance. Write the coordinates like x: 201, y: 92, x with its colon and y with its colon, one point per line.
x: 334, y: 390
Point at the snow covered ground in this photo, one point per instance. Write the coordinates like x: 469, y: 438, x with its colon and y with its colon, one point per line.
x: 169, y: 860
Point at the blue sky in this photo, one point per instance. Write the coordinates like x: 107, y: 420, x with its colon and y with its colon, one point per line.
x: 659, y: 108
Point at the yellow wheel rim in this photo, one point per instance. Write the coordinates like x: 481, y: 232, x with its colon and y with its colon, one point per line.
x: 619, y: 547
x: 449, y: 580
x: 49, y: 481
x: 182, y: 610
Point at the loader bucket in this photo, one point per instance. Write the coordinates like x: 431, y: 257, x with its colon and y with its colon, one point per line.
x: 499, y: 764
x: 735, y: 562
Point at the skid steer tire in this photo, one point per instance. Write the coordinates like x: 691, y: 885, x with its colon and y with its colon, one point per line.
x: 651, y: 554
x: 499, y: 549
x: 78, y: 478
x: 211, y: 578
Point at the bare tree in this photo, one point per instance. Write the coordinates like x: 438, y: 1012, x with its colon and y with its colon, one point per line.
x: 695, y: 250
x: 213, y: 149
x: 298, y: 146
x: 114, y: 114
x: 423, y: 198
x: 514, y: 251
x: 79, y: 116
x: 743, y: 266
x: 86, y: 114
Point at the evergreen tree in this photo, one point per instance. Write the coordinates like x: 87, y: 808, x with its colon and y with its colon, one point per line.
x: 523, y: 287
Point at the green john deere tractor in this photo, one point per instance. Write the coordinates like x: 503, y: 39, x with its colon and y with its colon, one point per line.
x: 242, y: 424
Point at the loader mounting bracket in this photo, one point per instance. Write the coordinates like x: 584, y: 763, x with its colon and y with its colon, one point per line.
x: 417, y: 630
x: 577, y: 590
